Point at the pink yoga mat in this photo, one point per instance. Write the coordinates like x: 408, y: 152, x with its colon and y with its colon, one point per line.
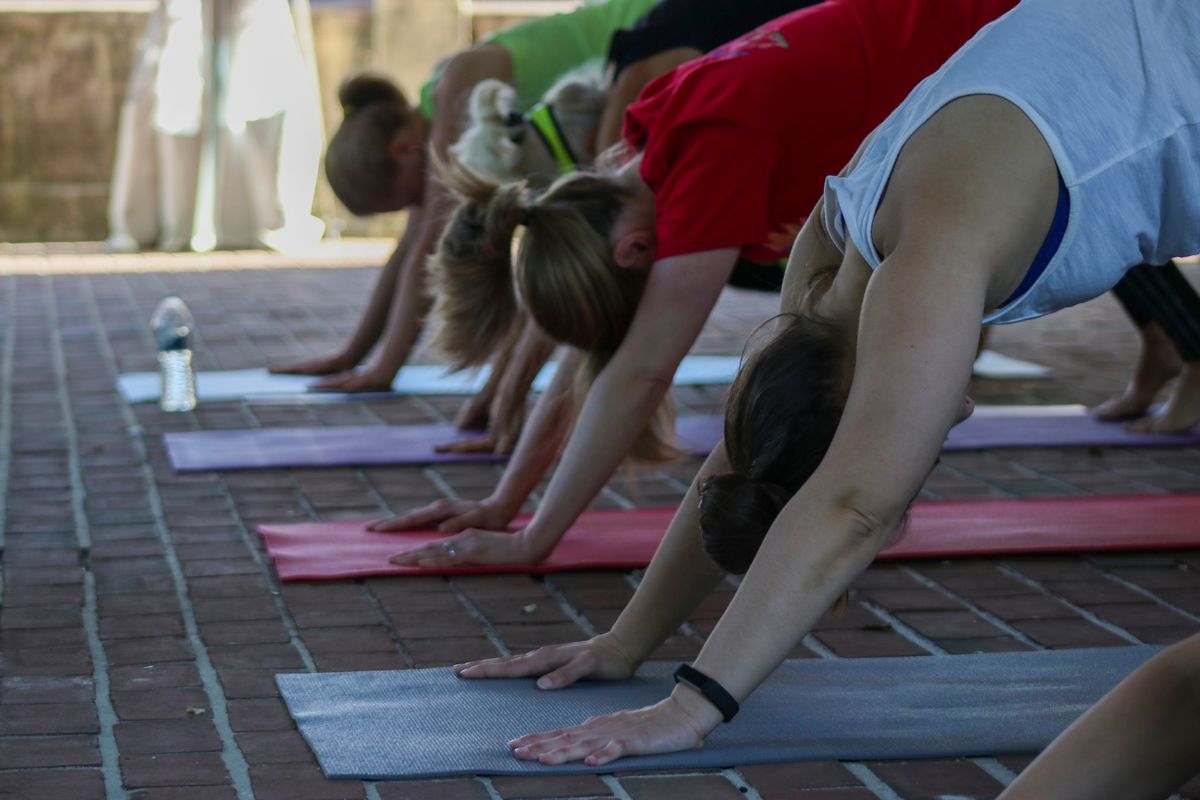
x: 628, y: 539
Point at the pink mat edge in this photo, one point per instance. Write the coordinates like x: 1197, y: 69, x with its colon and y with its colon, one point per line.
x: 1190, y: 501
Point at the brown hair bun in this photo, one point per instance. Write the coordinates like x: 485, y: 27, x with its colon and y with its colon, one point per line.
x: 367, y: 88
x: 733, y: 502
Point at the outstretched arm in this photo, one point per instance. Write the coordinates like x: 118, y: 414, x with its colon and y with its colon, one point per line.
x: 536, y: 450
x: 678, y: 578
x: 916, y: 345
x: 679, y: 295
x: 500, y: 405
x: 410, y: 303
x: 373, y: 319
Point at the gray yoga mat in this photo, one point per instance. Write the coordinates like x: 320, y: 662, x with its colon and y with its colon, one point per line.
x: 420, y: 379
x: 428, y: 723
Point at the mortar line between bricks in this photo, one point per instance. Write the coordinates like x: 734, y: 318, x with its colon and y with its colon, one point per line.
x: 477, y: 615
x: 372, y: 492
x: 7, y: 368
x: 1116, y: 630
x: 1144, y: 592
x: 612, y: 782
x: 930, y: 583
x: 285, y: 616
x: 686, y: 626
x: 441, y: 483
x: 231, y: 756
x: 486, y: 783
x: 815, y: 644
x: 618, y: 498
x: 58, y: 367
x: 903, y: 629
x: 577, y: 616
x: 875, y: 784
x: 458, y: 593
x: 387, y: 624
x: 110, y: 756
x: 429, y: 408
x: 106, y: 715
x: 674, y: 482
x: 1066, y: 488
x: 741, y: 784
x: 962, y: 473
x: 1002, y: 774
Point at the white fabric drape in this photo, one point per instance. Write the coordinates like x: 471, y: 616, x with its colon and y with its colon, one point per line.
x: 220, y: 133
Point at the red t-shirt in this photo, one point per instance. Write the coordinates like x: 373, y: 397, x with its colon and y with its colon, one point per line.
x: 736, y: 144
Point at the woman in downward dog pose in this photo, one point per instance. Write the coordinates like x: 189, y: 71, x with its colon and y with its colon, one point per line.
x: 1056, y: 149
x: 378, y: 160
x: 563, y: 133
x: 626, y: 266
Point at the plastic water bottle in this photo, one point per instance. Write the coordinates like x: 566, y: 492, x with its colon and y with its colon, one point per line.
x: 173, y: 326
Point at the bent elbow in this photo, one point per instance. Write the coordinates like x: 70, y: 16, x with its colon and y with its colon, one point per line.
x: 869, y: 524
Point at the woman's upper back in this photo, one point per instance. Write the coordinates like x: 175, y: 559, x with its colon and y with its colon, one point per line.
x: 737, y: 143
x: 1114, y: 88
x: 546, y: 48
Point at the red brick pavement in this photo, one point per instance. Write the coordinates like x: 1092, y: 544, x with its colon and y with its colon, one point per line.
x: 141, y: 624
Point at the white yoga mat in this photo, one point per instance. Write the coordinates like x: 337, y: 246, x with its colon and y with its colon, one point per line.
x: 431, y: 379
x: 991, y: 364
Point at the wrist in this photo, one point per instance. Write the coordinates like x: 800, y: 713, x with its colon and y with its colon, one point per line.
x: 703, y: 715
x: 535, y: 544
x: 612, y: 641
x: 710, y: 689
x: 504, y: 504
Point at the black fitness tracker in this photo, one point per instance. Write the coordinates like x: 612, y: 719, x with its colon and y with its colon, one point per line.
x: 713, y: 692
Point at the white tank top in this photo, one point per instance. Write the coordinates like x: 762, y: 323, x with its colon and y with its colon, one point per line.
x: 1114, y: 87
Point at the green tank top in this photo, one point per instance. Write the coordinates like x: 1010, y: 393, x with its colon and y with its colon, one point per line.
x: 545, y: 48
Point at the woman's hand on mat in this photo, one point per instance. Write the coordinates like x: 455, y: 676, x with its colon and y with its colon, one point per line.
x: 474, y: 414
x: 451, y: 516
x: 680, y: 722
x: 324, y: 365
x: 504, y: 417
x: 601, y: 658
x: 367, y: 379
x: 469, y: 548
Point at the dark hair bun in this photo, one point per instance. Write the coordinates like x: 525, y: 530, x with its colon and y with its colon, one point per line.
x: 367, y: 88
x: 735, y: 514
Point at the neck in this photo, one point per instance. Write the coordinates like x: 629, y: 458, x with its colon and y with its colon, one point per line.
x: 629, y: 176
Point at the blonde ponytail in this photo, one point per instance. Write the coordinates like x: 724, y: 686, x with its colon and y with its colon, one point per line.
x: 564, y: 273
x: 471, y: 273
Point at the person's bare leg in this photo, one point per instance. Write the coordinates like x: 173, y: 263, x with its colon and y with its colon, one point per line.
x: 1157, y: 363
x: 1181, y: 412
x: 1138, y: 743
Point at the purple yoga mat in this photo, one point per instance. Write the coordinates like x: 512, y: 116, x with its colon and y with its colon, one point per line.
x: 1051, y: 426
x: 362, y: 445
x: 261, y: 448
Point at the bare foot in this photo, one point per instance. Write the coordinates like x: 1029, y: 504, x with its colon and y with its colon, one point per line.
x: 1157, y: 363
x: 1182, y: 409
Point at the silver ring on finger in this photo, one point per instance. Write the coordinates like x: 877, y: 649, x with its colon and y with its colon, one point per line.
x: 448, y: 546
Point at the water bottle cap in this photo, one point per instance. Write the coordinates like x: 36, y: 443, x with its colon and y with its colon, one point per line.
x: 172, y: 324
